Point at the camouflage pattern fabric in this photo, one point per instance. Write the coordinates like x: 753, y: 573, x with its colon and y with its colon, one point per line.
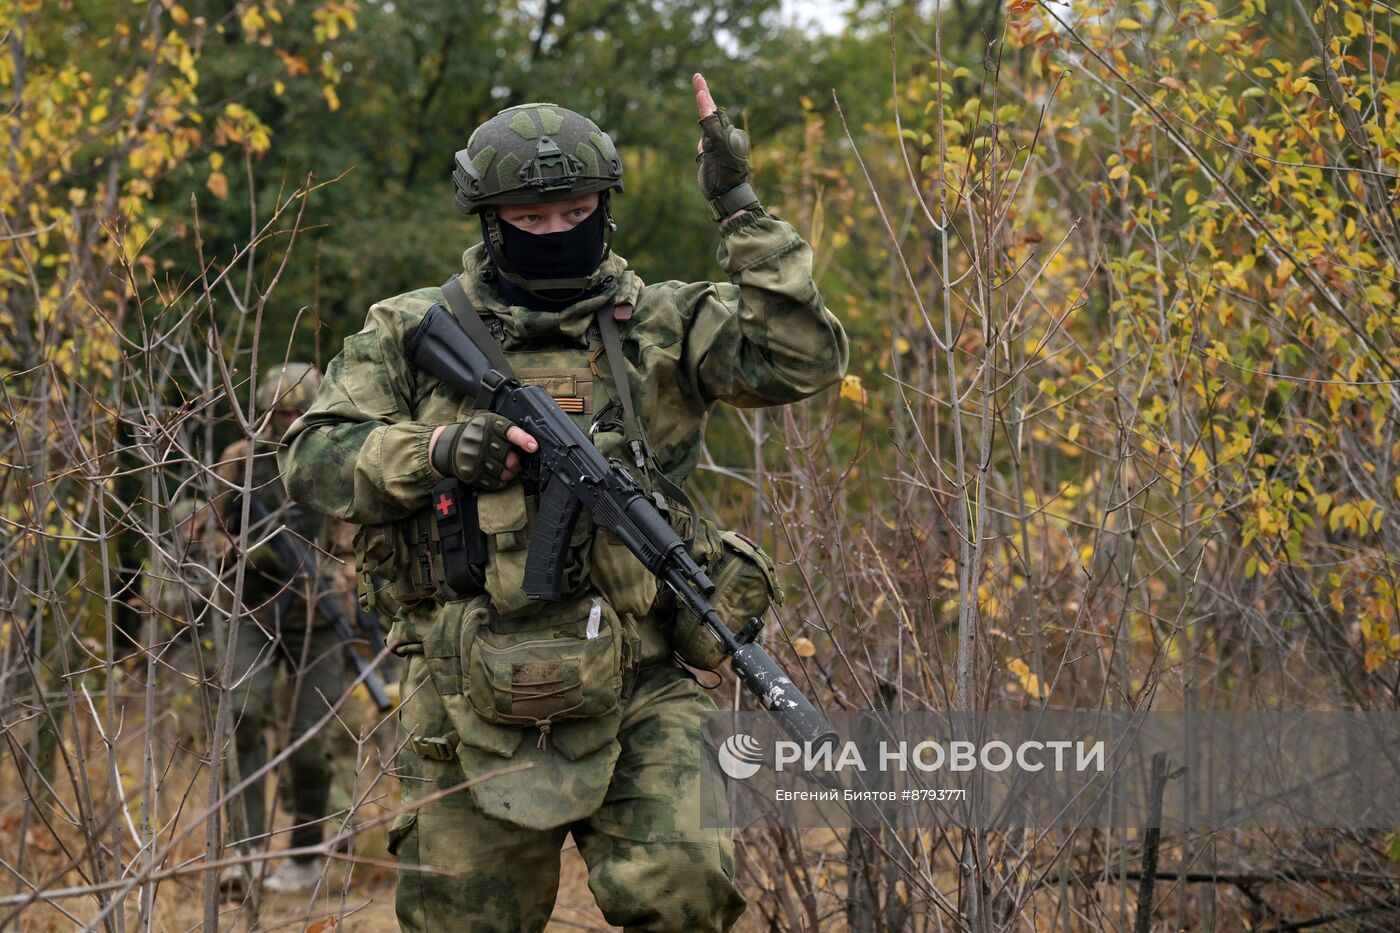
x: 288, y: 638
x: 624, y: 784
x: 265, y: 577
x: 315, y: 662
x: 650, y: 865
x: 361, y: 452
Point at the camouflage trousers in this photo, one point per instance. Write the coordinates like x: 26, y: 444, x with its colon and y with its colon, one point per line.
x: 315, y: 662
x: 650, y: 864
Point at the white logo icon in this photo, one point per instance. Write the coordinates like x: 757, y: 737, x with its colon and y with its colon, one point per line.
x: 740, y: 756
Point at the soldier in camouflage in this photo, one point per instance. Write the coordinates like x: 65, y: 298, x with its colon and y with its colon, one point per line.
x: 281, y: 632
x: 624, y: 779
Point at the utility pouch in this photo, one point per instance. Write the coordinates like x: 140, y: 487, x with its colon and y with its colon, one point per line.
x: 506, y: 517
x: 436, y: 553
x: 569, y: 660
x: 471, y: 654
x: 383, y: 551
x: 746, y: 584
x: 629, y: 586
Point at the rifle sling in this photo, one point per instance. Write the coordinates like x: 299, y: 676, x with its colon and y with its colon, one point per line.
x: 617, y: 365
x: 470, y: 319
x: 632, y: 425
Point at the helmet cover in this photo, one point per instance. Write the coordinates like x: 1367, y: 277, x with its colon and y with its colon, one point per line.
x: 290, y: 387
x: 532, y: 153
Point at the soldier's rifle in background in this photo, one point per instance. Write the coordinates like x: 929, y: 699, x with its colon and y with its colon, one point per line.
x: 297, y: 561
x: 572, y: 475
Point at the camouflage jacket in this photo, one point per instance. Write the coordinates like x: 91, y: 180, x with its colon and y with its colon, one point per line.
x: 361, y: 454
x: 327, y: 543
x: 766, y: 338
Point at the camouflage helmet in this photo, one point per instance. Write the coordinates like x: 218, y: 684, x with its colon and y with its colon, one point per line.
x: 292, y: 386
x: 532, y: 153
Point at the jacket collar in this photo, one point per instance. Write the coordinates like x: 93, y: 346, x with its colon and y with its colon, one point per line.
x: 522, y: 326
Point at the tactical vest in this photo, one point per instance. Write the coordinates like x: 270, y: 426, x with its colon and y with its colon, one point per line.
x: 575, y: 379
x: 506, y: 668
x: 547, y: 683
x: 407, y: 554
x: 583, y: 380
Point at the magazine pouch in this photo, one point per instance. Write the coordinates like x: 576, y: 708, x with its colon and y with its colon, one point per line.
x: 746, y: 584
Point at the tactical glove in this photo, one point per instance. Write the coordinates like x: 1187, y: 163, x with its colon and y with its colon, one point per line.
x: 474, y: 450
x: 724, y: 166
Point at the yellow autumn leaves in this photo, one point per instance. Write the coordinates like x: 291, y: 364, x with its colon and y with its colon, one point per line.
x: 1023, y: 678
x: 852, y: 389
x: 1027, y: 681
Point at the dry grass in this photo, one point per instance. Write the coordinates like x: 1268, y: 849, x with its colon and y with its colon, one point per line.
x: 42, y: 844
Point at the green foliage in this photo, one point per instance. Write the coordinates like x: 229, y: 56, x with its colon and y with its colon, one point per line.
x: 1191, y: 219
x: 413, y: 81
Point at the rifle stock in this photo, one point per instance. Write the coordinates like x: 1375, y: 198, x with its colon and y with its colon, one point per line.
x: 574, y: 475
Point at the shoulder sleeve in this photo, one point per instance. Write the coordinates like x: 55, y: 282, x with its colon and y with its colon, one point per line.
x: 765, y: 337
x: 358, y: 454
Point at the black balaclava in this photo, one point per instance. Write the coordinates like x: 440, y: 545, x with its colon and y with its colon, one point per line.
x: 568, y: 254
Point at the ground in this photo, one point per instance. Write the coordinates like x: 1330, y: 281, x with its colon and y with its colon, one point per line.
x: 369, y: 907
x: 40, y: 843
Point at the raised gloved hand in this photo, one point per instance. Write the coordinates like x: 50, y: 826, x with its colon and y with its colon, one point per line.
x: 480, y: 451
x: 723, y: 158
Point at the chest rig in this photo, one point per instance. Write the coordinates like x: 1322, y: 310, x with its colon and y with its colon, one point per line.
x: 468, y: 542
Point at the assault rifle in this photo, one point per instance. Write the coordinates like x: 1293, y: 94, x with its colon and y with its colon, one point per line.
x: 296, y: 561
x: 573, y: 475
